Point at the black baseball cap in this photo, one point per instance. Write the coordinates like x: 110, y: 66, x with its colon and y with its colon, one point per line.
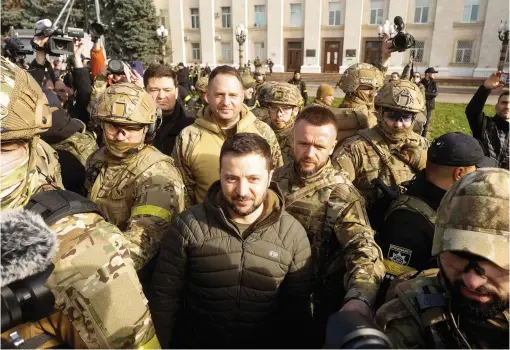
x: 458, y: 149
x: 431, y: 70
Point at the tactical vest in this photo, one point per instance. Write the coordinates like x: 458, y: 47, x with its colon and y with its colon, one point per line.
x: 351, y: 120
x: 309, y: 205
x: 81, y: 145
x: 415, y: 205
x: 379, y: 163
x: 52, y: 205
x: 112, y: 185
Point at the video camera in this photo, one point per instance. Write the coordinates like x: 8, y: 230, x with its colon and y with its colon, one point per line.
x: 57, y: 44
x: 14, y: 49
x: 27, y: 300
x: 402, y: 40
x: 352, y: 330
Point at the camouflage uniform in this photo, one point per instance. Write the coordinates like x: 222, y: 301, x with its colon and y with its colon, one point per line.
x: 140, y: 190
x: 382, y: 152
x: 197, y: 149
x: 472, y: 218
x: 94, y: 278
x: 81, y: 144
x: 284, y: 94
x: 357, y: 109
x: 327, y: 204
x: 196, y: 104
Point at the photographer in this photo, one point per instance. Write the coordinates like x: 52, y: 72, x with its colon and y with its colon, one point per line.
x: 421, y: 118
x: 492, y: 133
x: 40, y: 67
x: 82, y: 84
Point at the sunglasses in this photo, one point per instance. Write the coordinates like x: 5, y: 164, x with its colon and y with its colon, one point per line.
x: 114, y: 128
x: 402, y: 116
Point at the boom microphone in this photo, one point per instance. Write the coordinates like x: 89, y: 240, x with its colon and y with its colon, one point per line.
x: 28, y: 245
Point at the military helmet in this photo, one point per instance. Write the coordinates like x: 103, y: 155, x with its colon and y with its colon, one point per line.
x: 248, y: 81
x: 401, y: 95
x: 361, y: 74
x: 125, y: 103
x: 263, y: 90
x: 473, y: 216
x: 202, y: 83
x: 24, y: 110
x: 284, y: 94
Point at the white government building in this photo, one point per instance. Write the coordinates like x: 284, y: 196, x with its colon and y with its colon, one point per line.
x: 457, y: 37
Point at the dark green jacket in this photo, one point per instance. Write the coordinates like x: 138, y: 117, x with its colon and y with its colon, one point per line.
x: 214, y: 289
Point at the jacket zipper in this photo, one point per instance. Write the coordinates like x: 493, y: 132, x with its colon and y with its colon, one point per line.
x: 241, y: 266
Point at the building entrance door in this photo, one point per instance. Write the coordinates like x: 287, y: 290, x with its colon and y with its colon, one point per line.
x: 372, y: 51
x: 331, y: 56
x: 294, y: 56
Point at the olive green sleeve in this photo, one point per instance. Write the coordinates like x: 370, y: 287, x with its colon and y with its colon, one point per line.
x: 364, y: 268
x: 182, y: 146
x: 159, y: 196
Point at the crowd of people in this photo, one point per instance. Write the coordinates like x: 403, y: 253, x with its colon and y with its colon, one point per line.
x: 221, y: 210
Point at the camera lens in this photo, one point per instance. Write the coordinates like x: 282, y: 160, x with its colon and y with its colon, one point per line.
x: 116, y: 67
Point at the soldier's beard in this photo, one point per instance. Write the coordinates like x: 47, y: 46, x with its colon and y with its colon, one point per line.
x: 308, y: 172
x: 471, y: 309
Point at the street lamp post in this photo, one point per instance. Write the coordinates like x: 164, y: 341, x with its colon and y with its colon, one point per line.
x: 241, y: 38
x: 162, y: 34
x: 503, y: 37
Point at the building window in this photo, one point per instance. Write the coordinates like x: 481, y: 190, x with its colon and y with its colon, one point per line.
x: 260, y: 52
x: 464, y: 51
x: 296, y: 15
x: 376, y: 11
x: 195, y: 51
x: 417, y: 51
x: 260, y: 16
x: 225, y: 17
x: 421, y: 11
x: 471, y: 8
x: 226, y: 52
x: 334, y: 9
x: 195, y: 18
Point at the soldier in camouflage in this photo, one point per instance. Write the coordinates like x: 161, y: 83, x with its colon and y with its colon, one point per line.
x: 261, y: 111
x: 464, y: 303
x: 301, y: 85
x: 94, y: 278
x: 249, y: 91
x: 389, y: 152
x: 283, y: 101
x: 348, y: 264
x: 360, y: 82
x: 135, y: 185
x: 196, y: 104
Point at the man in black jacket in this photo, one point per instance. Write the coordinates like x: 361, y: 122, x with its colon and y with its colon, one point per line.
x: 162, y: 84
x: 491, y: 132
x: 235, y: 271
x: 406, y: 234
x: 430, y: 95
x: 183, y: 76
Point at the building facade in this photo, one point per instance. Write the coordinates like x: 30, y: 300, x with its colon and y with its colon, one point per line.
x: 457, y: 37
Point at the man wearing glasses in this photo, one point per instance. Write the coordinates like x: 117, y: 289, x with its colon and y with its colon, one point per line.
x: 136, y: 186
x: 379, y: 159
x: 283, y: 101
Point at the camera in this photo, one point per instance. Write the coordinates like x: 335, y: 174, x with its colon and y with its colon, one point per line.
x: 402, y: 40
x: 352, y: 330
x: 60, y: 42
x: 27, y: 300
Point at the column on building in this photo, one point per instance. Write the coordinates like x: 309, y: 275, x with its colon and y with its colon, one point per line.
x: 442, y: 36
x: 490, y: 46
x: 275, y: 33
x: 398, y: 8
x: 175, y: 15
x: 239, y: 15
x: 313, y: 21
x: 207, y: 32
x: 352, y: 28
